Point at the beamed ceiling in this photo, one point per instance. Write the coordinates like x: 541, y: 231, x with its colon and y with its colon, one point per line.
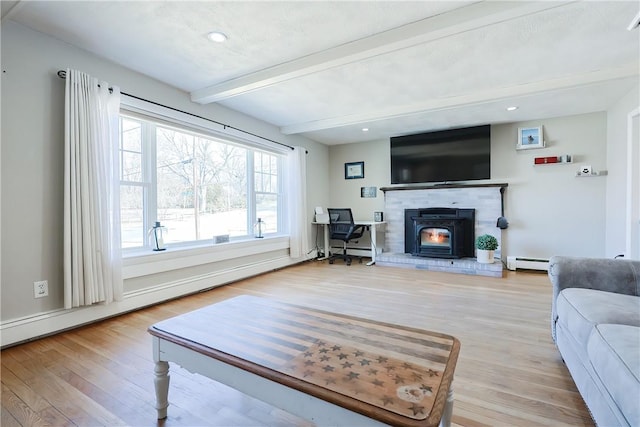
x: 328, y: 69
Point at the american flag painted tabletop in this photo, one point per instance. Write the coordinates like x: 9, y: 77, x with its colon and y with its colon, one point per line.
x: 394, y: 374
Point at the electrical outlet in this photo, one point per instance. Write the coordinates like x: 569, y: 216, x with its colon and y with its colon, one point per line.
x: 40, y: 289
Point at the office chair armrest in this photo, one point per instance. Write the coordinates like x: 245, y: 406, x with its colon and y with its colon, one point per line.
x: 360, y: 227
x: 355, y: 229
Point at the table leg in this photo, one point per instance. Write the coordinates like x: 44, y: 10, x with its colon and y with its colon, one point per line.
x: 448, y: 409
x: 161, y: 382
x: 325, y: 231
x: 374, y: 246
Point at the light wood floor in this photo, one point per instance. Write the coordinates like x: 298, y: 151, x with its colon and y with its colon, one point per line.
x: 509, y: 372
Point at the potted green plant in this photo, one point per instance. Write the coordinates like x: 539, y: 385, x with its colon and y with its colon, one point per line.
x: 485, y: 246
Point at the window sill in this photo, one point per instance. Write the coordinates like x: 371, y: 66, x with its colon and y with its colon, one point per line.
x: 137, y: 264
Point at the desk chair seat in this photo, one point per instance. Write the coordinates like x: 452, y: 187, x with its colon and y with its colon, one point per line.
x: 342, y: 227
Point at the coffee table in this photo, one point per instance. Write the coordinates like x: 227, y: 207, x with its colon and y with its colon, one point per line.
x: 329, y: 368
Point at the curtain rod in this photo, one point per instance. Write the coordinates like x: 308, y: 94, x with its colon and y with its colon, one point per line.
x: 63, y: 75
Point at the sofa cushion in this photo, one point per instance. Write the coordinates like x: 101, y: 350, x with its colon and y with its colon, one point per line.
x: 614, y: 353
x: 579, y: 310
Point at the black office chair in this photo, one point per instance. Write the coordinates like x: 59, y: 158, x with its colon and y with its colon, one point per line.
x: 342, y: 227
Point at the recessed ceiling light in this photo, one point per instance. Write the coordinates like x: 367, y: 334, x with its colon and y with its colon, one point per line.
x: 217, y: 36
x: 513, y: 108
x: 365, y: 129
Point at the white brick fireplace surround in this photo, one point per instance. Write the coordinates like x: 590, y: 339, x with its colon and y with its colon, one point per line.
x: 486, y: 199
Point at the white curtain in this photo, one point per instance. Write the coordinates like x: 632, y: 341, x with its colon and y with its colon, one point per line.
x: 298, y: 224
x: 92, y: 258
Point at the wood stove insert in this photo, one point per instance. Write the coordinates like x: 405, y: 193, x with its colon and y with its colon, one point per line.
x: 440, y: 232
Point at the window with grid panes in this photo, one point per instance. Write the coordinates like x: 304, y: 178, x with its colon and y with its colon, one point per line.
x: 197, y: 185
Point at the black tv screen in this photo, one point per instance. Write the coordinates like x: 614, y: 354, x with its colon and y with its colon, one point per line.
x: 462, y: 154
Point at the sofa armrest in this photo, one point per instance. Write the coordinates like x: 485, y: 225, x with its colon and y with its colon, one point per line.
x: 604, y: 274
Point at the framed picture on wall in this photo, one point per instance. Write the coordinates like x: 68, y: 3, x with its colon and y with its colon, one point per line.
x: 354, y: 170
x: 368, y: 192
x: 530, y: 138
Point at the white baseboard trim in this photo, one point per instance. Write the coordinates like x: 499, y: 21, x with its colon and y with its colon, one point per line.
x: 29, y: 328
x: 519, y: 263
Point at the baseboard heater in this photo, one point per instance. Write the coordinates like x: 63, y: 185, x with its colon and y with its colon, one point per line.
x: 522, y: 263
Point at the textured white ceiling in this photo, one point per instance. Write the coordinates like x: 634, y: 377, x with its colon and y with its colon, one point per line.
x: 327, y: 69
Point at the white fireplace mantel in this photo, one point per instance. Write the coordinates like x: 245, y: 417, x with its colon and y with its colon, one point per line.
x: 441, y: 186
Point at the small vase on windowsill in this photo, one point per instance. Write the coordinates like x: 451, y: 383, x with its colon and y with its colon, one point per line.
x: 157, y: 235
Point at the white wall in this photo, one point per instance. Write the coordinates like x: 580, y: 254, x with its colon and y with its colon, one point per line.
x: 617, y: 166
x: 345, y: 193
x: 550, y: 211
x: 32, y: 174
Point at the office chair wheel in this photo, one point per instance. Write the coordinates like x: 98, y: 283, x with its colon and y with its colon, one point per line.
x: 348, y: 262
x: 330, y: 261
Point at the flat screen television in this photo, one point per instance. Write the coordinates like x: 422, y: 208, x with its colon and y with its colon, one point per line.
x: 461, y: 154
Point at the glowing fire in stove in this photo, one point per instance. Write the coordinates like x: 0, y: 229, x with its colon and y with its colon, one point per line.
x: 435, y: 236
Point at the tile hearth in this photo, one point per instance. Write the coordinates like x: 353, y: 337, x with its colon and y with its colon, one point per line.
x: 461, y: 266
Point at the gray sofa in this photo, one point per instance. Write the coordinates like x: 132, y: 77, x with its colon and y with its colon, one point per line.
x: 595, y: 323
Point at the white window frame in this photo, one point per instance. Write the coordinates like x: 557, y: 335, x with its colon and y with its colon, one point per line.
x: 280, y: 192
x: 136, y: 109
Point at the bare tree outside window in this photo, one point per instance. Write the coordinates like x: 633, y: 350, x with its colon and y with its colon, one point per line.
x: 201, y: 186
x: 197, y: 186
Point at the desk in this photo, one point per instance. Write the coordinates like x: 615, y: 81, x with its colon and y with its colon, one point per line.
x: 332, y: 369
x: 373, y: 231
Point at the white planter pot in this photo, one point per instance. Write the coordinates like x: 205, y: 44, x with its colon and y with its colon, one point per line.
x: 485, y: 257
